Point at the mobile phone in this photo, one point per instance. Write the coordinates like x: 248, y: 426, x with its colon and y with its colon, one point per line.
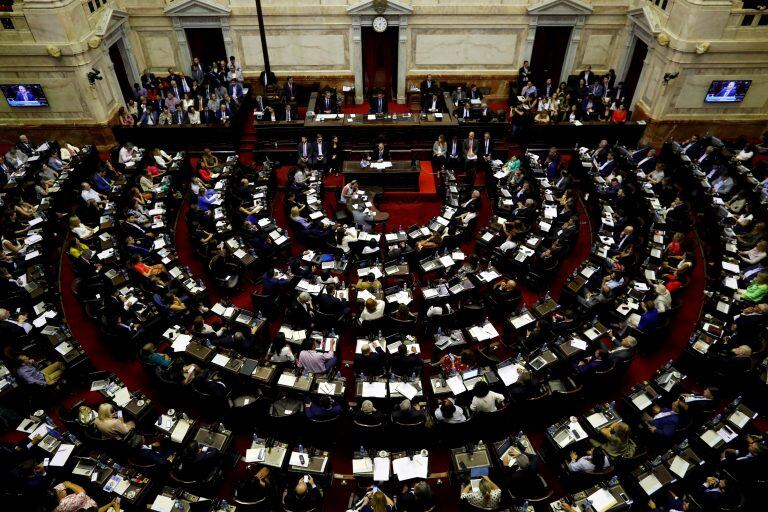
x: 117, y: 499
x: 301, y: 459
x: 46, y: 461
x: 306, y: 479
x: 120, y: 414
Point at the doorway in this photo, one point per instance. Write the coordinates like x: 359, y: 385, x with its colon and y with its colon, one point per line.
x: 207, y: 44
x: 120, y: 72
x: 380, y: 60
x: 635, y: 68
x: 548, y: 55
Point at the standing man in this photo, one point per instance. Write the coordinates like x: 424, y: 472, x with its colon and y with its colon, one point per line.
x: 470, y: 149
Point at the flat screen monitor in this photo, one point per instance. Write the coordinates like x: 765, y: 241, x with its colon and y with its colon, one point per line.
x: 727, y: 91
x: 24, y: 95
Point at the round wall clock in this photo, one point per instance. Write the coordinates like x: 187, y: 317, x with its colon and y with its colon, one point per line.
x: 379, y: 23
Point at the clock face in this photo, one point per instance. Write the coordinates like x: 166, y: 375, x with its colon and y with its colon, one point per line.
x: 379, y: 23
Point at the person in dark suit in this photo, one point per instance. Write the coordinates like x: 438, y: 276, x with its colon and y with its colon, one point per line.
x: 429, y: 84
x: 619, y: 94
x: 378, y: 104
x: 608, y: 166
x: 323, y: 409
x: 405, y: 363
x: 729, y: 91
x: 646, y: 163
x: 235, y: 90
x: 302, y: 312
x: 525, y: 480
x: 432, y: 103
x: 623, y: 351
x: 664, y: 422
x: 24, y: 95
x: 223, y: 115
x: 290, y: 90
x: 206, y: 116
x: 701, y: 403
x: 486, y: 114
x: 408, y: 413
x: 587, y: 75
x: 474, y: 93
x: 380, y: 153
x: 370, y: 361
x: 548, y: 89
x: 453, y: 154
x: 304, y: 497
x: 215, y: 385
x: 524, y: 74
x: 463, y: 113
x: 149, y: 117
x: 271, y: 285
x: 289, y: 112
x: 327, y: 104
x: 692, y: 147
x: 328, y: 303
x: 591, y: 364
x: 304, y: 152
x: 179, y: 117
x: 194, y: 463
x: 319, y: 153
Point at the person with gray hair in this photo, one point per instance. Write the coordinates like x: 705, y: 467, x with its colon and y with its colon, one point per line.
x: 303, y: 312
x: 13, y: 328
x: 418, y: 498
x: 623, y: 351
x: 368, y: 415
x: 408, y: 413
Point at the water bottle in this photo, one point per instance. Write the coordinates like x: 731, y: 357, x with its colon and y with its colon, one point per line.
x: 413, y: 376
x: 613, y: 404
x: 399, y: 227
x: 255, y: 438
x: 439, y: 331
x: 179, y: 505
x: 361, y: 376
x: 379, y: 338
x: 224, y: 505
x: 362, y: 450
x: 258, y: 314
x: 519, y: 435
x: 301, y: 448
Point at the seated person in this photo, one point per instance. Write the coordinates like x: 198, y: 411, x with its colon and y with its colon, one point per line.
x: 664, y: 422
x: 616, y: 440
x: 591, y: 364
x: 407, y: 413
x: 196, y: 462
x: 328, y: 303
x: 377, y: 501
x: 111, y: 424
x: 305, y: 496
x: 151, y: 356
x: 485, y: 400
x: 323, y: 409
x: 368, y: 415
x: 313, y: 360
x: 151, y: 272
x: 374, y: 310
x: 369, y: 282
x: 448, y: 412
x: 30, y: 373
x: 451, y: 364
x: 370, y: 362
x: 405, y: 362
x: 487, y: 496
x: 594, y: 460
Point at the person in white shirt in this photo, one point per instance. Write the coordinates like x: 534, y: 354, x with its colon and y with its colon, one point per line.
x: 193, y: 116
x: 485, y: 400
x: 374, y: 310
x: 82, y: 231
x: 448, y: 412
x: 746, y: 154
x: 128, y: 153
x: 663, y: 300
x: 89, y: 195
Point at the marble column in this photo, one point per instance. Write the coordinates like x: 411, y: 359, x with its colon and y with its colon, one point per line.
x: 356, y: 57
x: 573, y: 45
x: 185, y: 58
x: 402, y: 55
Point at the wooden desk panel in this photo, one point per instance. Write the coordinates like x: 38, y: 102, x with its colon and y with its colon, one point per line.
x: 401, y: 176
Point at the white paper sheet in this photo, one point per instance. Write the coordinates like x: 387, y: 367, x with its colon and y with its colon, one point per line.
x: 381, y: 467
x: 406, y: 468
x: 679, y: 466
x: 162, y: 504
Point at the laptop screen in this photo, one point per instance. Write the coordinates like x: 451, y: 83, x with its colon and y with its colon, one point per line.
x: 471, y: 374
